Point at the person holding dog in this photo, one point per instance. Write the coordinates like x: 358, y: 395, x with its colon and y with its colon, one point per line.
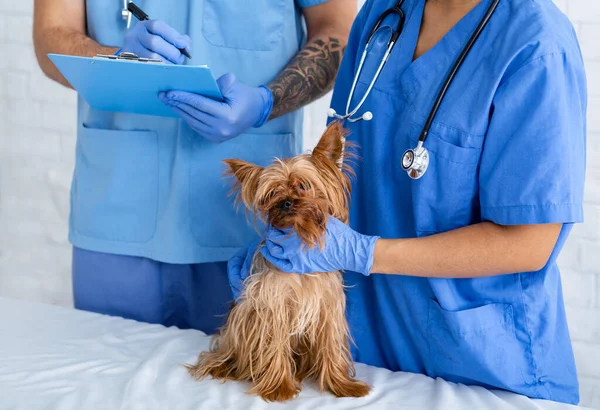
x: 470, y: 118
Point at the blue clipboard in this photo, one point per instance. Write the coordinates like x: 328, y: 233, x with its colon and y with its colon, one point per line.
x: 125, y: 85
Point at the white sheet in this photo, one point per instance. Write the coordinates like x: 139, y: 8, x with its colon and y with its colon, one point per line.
x: 57, y: 358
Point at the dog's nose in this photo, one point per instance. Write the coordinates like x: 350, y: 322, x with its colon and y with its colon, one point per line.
x: 285, y: 205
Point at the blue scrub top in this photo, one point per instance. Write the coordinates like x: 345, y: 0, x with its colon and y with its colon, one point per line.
x: 150, y: 186
x: 507, y: 146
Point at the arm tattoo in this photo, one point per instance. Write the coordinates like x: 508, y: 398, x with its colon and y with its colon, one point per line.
x: 307, y: 77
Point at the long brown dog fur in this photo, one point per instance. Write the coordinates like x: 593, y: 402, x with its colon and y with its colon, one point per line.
x: 285, y: 327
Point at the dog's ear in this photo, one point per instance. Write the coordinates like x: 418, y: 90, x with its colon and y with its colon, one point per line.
x: 241, y: 170
x: 331, y: 144
x: 246, y: 175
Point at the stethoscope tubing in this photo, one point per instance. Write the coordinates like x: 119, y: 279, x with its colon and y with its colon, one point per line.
x: 395, y: 35
x: 349, y: 115
x: 453, y: 71
x: 414, y: 161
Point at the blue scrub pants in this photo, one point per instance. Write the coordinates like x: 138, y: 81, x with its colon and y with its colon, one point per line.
x: 194, y: 296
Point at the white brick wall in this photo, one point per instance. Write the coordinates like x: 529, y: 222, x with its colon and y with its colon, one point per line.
x: 37, y: 140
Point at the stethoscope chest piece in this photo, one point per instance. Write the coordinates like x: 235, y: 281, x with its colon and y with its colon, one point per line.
x: 415, y: 161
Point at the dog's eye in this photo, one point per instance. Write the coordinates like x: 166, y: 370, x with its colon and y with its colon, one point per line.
x: 303, y: 186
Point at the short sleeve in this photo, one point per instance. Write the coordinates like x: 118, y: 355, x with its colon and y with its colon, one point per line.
x: 532, y: 167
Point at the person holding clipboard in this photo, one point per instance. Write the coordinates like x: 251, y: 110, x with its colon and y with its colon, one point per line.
x: 151, y: 224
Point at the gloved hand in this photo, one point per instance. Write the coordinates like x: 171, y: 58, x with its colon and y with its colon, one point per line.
x: 244, y: 107
x: 345, y: 249
x: 156, y: 39
x: 238, y: 267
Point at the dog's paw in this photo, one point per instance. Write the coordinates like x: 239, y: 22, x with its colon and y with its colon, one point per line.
x: 280, y: 395
x: 350, y: 388
x: 284, y: 392
x: 215, y: 369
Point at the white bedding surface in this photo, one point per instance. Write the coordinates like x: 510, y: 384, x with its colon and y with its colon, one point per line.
x: 58, y: 358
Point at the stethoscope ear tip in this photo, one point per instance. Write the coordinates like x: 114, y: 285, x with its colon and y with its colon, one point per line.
x: 331, y: 112
x: 368, y: 116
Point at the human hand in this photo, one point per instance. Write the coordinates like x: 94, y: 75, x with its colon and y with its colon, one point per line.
x: 156, y: 39
x: 238, y: 267
x: 243, y: 107
x: 344, y: 249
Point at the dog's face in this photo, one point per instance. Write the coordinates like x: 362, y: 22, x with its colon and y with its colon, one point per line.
x: 298, y: 192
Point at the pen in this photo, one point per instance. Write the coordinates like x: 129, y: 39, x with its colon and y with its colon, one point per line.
x: 141, y: 16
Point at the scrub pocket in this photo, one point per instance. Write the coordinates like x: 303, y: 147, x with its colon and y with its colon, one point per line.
x: 258, y: 24
x: 115, y: 189
x: 476, y: 346
x: 216, y: 222
x: 446, y: 196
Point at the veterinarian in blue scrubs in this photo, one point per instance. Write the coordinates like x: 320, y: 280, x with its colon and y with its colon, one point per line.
x: 455, y: 272
x: 151, y: 222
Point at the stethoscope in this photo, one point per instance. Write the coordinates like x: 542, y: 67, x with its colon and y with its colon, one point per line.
x: 414, y: 161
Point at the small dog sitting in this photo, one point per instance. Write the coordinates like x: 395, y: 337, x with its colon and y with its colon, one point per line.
x: 285, y: 328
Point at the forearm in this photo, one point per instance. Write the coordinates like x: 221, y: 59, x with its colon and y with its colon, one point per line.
x: 483, y: 249
x: 309, y: 75
x: 63, y: 41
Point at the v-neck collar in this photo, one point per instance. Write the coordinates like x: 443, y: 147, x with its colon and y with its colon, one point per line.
x: 437, y: 60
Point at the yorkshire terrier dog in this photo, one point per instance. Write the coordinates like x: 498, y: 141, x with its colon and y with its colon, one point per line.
x: 284, y: 327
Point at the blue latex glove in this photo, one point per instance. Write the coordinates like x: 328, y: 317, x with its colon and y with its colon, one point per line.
x: 156, y: 39
x: 345, y: 249
x: 238, y: 267
x: 244, y: 107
